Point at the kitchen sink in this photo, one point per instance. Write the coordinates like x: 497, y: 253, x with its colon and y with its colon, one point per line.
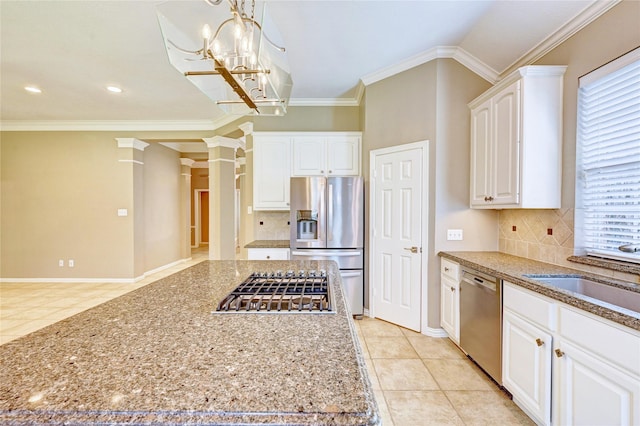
x: 579, y: 284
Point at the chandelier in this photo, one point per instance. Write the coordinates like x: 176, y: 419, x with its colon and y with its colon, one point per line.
x: 250, y: 70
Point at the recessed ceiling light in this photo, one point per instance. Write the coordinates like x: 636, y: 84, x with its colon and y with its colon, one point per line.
x: 114, y: 89
x: 32, y: 89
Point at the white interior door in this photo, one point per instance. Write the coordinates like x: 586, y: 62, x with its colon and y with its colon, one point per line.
x: 396, y: 261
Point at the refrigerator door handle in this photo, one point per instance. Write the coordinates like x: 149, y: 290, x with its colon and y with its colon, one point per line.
x: 330, y: 214
x: 350, y: 274
x: 324, y: 253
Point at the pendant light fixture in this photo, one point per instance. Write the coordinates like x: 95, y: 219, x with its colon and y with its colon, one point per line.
x: 237, y: 65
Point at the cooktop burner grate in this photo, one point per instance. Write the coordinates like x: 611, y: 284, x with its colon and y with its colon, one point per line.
x: 277, y: 292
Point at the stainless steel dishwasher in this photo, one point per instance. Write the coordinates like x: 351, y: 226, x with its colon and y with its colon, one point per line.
x: 481, y: 321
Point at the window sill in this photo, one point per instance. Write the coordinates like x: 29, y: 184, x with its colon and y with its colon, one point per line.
x: 615, y: 265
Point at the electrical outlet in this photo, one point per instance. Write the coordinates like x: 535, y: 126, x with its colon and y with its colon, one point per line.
x: 454, y: 234
x: 60, y: 262
x: 72, y: 263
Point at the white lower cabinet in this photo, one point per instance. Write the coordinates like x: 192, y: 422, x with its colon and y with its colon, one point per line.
x: 565, y: 366
x: 450, y: 299
x: 526, y: 366
x: 268, y: 254
x: 593, y: 392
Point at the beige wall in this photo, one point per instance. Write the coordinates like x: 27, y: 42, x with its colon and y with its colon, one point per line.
x: 162, y: 204
x: 308, y: 119
x: 610, y: 36
x: 429, y: 102
x: 61, y: 192
x: 60, y: 196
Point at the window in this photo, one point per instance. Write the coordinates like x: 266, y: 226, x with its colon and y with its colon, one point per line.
x: 608, y: 161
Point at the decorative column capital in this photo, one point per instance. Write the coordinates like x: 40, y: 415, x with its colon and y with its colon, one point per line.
x: 247, y: 127
x: 222, y: 141
x: 131, y: 143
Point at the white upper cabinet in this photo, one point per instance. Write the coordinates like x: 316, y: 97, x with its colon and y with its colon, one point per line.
x: 271, y: 172
x: 326, y: 154
x: 279, y: 155
x: 516, y: 141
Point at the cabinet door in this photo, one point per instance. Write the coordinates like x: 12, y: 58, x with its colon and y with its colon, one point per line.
x: 481, y: 154
x: 526, y: 366
x: 309, y: 156
x: 450, y: 307
x: 272, y: 172
x: 343, y: 156
x: 593, y: 392
x: 268, y: 254
x: 506, y: 156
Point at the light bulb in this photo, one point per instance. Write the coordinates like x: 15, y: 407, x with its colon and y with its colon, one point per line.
x: 253, y: 60
x: 206, y: 31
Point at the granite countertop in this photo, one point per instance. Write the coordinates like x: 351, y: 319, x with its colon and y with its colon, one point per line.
x: 513, y: 269
x: 268, y: 244
x: 158, y: 355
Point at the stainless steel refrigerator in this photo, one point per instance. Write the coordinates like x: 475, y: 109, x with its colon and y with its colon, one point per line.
x: 327, y: 223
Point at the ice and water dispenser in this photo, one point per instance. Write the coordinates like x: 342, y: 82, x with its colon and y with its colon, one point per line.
x: 307, y: 224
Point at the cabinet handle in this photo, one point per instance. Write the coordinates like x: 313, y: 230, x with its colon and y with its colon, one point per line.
x: 268, y: 257
x: 321, y: 171
x: 559, y: 353
x: 446, y: 269
x: 539, y: 342
x: 453, y: 289
x: 330, y: 171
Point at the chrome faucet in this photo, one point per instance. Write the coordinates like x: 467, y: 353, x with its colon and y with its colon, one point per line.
x: 630, y: 248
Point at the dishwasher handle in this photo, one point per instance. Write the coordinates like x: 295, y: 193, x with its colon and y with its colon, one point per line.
x: 478, y: 281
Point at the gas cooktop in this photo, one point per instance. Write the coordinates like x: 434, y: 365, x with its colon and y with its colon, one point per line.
x: 280, y: 292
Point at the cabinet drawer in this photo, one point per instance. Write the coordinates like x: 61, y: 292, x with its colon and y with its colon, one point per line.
x: 615, y: 344
x: 268, y: 254
x: 450, y: 269
x: 529, y: 305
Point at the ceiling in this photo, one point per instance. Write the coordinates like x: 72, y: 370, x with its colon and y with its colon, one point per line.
x: 73, y: 49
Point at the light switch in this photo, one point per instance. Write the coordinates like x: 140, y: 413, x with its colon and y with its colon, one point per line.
x: 122, y: 212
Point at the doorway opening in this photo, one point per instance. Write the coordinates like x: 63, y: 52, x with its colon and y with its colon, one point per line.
x: 201, y: 218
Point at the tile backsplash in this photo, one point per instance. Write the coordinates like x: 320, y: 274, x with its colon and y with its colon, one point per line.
x: 547, y: 236
x: 271, y: 225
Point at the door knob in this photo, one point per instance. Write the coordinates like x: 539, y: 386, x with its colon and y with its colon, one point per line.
x: 413, y: 249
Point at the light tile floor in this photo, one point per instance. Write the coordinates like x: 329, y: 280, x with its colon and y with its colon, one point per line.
x: 418, y: 380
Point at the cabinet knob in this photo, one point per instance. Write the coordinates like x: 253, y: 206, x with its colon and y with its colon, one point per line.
x: 559, y: 353
x: 539, y: 342
x: 321, y: 171
x: 268, y: 257
x: 330, y: 171
x: 446, y: 269
x: 453, y: 289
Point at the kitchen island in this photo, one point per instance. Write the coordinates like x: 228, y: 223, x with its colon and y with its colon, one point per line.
x: 158, y: 355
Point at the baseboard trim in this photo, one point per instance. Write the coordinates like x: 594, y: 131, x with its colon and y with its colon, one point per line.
x: 96, y: 280
x: 434, y: 332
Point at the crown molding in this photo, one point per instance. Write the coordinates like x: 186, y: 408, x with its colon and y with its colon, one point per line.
x: 109, y: 125
x: 575, y: 24
x: 439, y: 52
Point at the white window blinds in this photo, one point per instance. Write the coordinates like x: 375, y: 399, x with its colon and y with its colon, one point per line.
x: 608, y: 160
